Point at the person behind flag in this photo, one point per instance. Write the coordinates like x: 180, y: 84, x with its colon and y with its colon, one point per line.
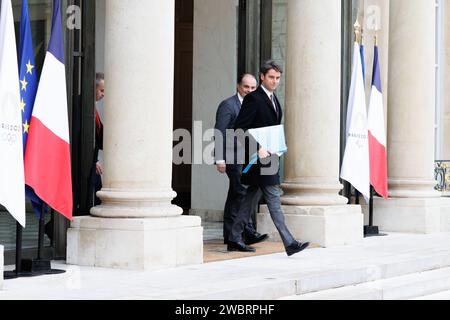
x: 95, y: 178
x: 260, y: 109
x: 377, y: 134
x: 12, y: 191
x: 47, y: 156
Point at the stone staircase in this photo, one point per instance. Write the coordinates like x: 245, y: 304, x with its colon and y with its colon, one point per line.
x: 387, y: 277
x: 423, y: 285
x: 400, y: 266
x: 395, y: 280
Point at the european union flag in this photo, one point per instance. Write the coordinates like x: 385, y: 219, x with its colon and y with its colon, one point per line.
x: 27, y: 73
x: 28, y: 88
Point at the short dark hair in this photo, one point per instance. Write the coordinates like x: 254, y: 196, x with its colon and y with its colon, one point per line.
x: 270, y: 65
x: 242, y: 76
x: 99, y: 77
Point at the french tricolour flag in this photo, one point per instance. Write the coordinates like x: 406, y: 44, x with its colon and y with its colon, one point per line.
x: 47, y: 157
x: 377, y: 134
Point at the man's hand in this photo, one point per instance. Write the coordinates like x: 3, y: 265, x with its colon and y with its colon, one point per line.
x: 98, y: 168
x: 263, y: 153
x: 222, y: 168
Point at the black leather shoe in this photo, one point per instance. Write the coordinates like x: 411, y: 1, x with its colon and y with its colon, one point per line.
x: 255, y: 238
x: 239, y: 246
x: 296, y: 248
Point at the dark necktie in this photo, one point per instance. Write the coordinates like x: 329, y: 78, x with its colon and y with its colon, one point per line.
x: 274, y: 104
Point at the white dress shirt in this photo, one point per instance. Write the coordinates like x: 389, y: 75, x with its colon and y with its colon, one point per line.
x: 241, y: 99
x: 271, y: 98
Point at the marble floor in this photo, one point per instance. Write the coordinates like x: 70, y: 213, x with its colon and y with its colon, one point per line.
x: 215, y: 250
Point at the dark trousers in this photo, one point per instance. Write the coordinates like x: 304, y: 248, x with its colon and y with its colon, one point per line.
x: 272, y: 196
x: 95, y: 185
x: 236, y: 193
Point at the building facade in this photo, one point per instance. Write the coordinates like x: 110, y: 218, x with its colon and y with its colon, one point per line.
x: 168, y: 64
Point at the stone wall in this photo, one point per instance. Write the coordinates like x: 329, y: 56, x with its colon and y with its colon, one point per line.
x: 279, y: 41
x: 215, y: 74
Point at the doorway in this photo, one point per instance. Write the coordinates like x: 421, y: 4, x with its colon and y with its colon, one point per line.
x: 183, y: 87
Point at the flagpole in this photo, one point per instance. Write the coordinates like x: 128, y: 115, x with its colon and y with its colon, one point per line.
x: 19, y: 234
x: 41, y: 234
x: 8, y: 275
x: 371, y: 208
x: 358, y: 32
x: 40, y: 266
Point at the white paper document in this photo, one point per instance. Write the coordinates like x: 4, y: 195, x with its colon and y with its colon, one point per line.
x: 271, y: 138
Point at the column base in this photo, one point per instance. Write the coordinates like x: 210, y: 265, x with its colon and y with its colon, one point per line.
x: 412, y: 215
x: 312, y: 194
x: 135, y: 244
x: 135, y: 204
x: 1, y: 267
x: 326, y: 226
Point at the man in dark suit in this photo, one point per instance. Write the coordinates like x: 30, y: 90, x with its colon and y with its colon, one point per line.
x: 95, y: 179
x: 262, y: 108
x: 226, y: 160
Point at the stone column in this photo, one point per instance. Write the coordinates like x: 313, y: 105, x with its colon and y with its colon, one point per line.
x: 139, y: 68
x: 412, y: 99
x: 446, y: 78
x: 314, y: 209
x: 137, y: 227
x: 313, y: 67
x: 414, y: 205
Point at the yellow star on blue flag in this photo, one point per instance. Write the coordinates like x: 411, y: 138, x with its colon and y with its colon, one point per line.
x: 30, y: 67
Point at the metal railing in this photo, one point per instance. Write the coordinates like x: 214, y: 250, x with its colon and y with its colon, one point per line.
x: 442, y: 175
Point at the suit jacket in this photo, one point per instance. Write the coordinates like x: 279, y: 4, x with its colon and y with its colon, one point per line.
x: 98, y: 138
x: 226, y: 116
x: 258, y: 112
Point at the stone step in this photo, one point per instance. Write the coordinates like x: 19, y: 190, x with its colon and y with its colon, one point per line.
x: 444, y: 295
x: 344, y: 276
x: 411, y: 286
